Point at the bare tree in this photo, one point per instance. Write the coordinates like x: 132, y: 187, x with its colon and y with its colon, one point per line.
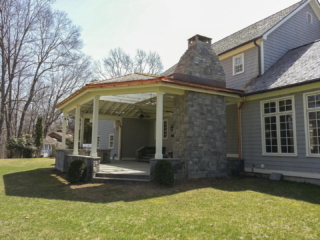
x: 120, y: 63
x: 41, y: 62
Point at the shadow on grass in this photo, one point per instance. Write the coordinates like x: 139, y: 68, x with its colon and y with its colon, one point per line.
x: 49, y: 183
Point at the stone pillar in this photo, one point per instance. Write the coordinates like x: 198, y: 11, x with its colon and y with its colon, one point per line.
x: 81, y: 132
x: 76, y: 131
x: 95, y: 122
x: 159, y: 125
x: 200, y: 133
x: 64, y: 130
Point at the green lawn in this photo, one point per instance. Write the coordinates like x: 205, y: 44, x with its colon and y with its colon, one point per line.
x: 37, y: 203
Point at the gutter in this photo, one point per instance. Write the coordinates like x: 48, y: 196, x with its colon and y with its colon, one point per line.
x: 283, y: 87
x: 239, y: 128
x: 259, y: 56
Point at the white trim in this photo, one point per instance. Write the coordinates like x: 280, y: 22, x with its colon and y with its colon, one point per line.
x: 233, y: 63
x: 166, y: 120
x: 265, y: 36
x: 306, y: 123
x: 109, y: 145
x: 285, y: 173
x: 311, y: 17
x: 277, y: 114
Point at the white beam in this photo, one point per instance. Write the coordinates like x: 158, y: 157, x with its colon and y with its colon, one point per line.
x: 64, y: 130
x: 76, y: 132
x: 95, y: 122
x: 159, y: 125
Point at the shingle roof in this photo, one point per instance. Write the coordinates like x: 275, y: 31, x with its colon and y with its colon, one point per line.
x: 253, y: 31
x: 299, y: 65
x: 247, y: 34
x: 128, y: 77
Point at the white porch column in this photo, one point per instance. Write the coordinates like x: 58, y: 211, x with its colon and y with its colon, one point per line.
x: 76, y: 132
x: 95, y: 121
x: 81, y: 132
x: 64, y: 130
x: 159, y: 125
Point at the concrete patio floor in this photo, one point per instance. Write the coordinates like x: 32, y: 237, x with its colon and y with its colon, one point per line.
x: 125, y: 167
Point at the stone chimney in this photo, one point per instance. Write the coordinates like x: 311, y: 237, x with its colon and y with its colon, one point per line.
x: 200, y: 64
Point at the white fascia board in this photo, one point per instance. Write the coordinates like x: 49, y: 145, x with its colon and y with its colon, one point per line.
x: 315, y: 7
x: 265, y: 36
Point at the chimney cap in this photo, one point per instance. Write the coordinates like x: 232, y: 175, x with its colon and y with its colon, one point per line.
x: 198, y: 37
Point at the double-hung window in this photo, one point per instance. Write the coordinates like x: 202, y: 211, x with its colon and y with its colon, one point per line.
x: 238, y: 64
x: 312, y: 118
x: 165, y: 129
x: 278, y: 127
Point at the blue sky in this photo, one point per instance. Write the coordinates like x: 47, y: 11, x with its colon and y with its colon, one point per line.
x: 161, y: 25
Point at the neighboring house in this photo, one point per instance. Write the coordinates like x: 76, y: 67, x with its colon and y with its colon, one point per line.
x: 48, y: 145
x: 270, y: 85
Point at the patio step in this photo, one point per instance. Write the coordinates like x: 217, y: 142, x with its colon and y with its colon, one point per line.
x: 121, y: 177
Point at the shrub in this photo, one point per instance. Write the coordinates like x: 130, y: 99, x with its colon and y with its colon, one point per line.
x: 163, y: 173
x: 77, y: 172
x: 21, y: 147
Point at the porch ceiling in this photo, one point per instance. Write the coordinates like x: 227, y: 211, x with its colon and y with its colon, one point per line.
x: 129, y: 105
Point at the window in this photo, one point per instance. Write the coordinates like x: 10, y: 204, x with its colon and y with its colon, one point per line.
x: 98, y: 141
x: 238, y: 64
x: 278, y: 127
x: 111, y: 140
x: 165, y: 129
x: 309, y: 17
x: 312, y: 119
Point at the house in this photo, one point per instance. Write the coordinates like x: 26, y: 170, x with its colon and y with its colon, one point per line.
x: 253, y: 95
x: 49, y: 144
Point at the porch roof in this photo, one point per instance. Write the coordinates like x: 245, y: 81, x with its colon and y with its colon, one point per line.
x: 143, y: 83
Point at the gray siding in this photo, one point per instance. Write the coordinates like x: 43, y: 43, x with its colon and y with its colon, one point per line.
x: 252, y: 142
x: 135, y: 134
x: 293, y: 33
x: 168, y: 143
x: 232, y: 129
x: 105, y: 128
x: 251, y: 69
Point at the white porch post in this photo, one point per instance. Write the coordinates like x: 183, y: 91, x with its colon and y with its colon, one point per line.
x: 159, y: 125
x: 95, y: 118
x: 64, y: 130
x: 81, y: 132
x: 76, y: 132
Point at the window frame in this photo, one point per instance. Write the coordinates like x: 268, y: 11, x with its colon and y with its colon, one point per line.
x: 306, y: 122
x: 109, y: 145
x: 311, y: 17
x: 277, y: 114
x: 98, y: 141
x: 234, y: 64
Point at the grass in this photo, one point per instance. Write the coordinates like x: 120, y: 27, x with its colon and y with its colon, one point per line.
x: 36, y: 202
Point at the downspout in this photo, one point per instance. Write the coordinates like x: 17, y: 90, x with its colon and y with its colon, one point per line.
x: 259, y: 56
x: 239, y: 128
x: 120, y: 140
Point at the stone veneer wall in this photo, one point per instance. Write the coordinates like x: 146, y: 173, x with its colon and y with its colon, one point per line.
x: 92, y: 163
x: 200, y: 133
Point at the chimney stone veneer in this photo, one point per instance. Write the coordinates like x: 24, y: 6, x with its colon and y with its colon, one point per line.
x: 199, y: 119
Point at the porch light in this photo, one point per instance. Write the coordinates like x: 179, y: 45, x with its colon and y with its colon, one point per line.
x: 141, y: 115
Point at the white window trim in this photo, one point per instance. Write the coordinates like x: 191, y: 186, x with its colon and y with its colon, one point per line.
x: 264, y: 153
x: 311, y: 17
x: 165, y: 120
x: 233, y: 63
x: 112, y: 141
x: 306, y: 122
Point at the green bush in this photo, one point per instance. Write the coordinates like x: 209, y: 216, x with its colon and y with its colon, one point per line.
x: 77, y: 172
x: 163, y: 173
x: 21, y: 147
